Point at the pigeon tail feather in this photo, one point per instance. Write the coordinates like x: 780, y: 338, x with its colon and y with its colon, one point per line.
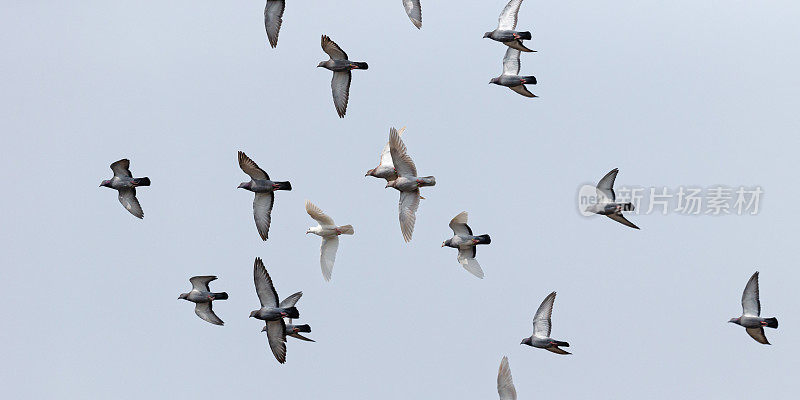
x: 220, y: 296
x: 560, y: 343
x: 141, y: 181
x: 360, y: 65
x: 483, y: 239
x: 771, y: 322
x: 303, y: 328
x: 283, y: 185
x: 525, y: 35
x: 427, y: 181
x: 627, y: 207
x: 347, y: 230
x: 292, y: 312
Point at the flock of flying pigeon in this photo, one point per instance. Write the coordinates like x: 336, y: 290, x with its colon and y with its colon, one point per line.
x: 400, y: 172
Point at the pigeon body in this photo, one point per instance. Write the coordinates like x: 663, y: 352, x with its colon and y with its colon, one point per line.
x: 407, y: 183
x: 465, y: 242
x: 125, y: 184
x: 506, y: 24
x: 751, y: 318
x: 202, y: 296
x: 385, y: 169
x: 341, y: 67
x: 263, y: 187
x: 273, y: 312
x: 414, y: 11
x: 607, y: 204
x: 541, y: 329
x: 510, y: 77
x: 505, y: 384
x: 273, y: 18
x: 329, y: 232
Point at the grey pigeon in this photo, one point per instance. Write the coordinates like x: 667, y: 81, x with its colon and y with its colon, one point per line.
x: 466, y: 243
x: 751, y: 318
x: 505, y: 385
x: 510, y: 77
x: 606, y: 204
x: 263, y: 187
x: 329, y: 232
x: 407, y: 183
x: 273, y: 312
x: 294, y: 331
x: 273, y: 18
x: 385, y: 169
x: 341, y: 67
x: 414, y: 11
x: 202, y: 297
x: 541, y: 329
x: 125, y: 184
x: 506, y: 23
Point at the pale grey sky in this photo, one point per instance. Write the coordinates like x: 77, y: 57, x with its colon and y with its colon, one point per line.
x: 672, y: 93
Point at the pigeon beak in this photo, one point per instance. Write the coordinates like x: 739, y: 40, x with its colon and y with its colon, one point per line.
x: 241, y: 185
x: 442, y: 244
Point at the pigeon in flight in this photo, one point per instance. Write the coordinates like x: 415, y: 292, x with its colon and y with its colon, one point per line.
x: 505, y: 385
x: 202, y: 297
x: 465, y: 242
x: 293, y: 331
x: 414, y: 11
x: 510, y: 77
x: 751, y: 318
x: 273, y: 18
x: 606, y: 204
x: 541, y: 328
x: 124, y: 182
x: 263, y: 187
x: 407, y: 183
x: 385, y: 168
x: 341, y: 67
x: 329, y: 232
x: 506, y: 24
x: 273, y: 312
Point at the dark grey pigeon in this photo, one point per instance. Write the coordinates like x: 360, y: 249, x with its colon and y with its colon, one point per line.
x: 407, y: 183
x: 465, y: 242
x: 263, y: 187
x: 510, y: 77
x: 751, y: 318
x: 273, y: 312
x: 202, y: 297
x: 273, y: 18
x: 293, y: 331
x: 414, y: 11
x: 341, y: 67
x: 606, y: 204
x: 124, y: 182
x: 505, y: 32
x: 541, y: 329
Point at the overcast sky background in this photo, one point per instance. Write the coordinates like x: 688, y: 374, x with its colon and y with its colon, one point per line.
x: 673, y: 93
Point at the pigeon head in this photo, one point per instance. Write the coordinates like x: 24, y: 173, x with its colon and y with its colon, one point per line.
x: 321, y: 64
x: 496, y: 81
x: 487, y: 34
x: 253, y: 313
x: 264, y: 329
x: 183, y: 296
x: 447, y: 242
x: 245, y: 185
x: 390, y: 184
x: 527, y: 341
x: 370, y: 172
x: 734, y: 320
x: 106, y: 183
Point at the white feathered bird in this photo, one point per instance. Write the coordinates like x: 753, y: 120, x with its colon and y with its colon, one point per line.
x: 329, y: 232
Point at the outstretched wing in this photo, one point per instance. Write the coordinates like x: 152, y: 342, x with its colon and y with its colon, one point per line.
x: 251, y: 168
x: 605, y: 188
x: 273, y: 18
x: 466, y: 257
x: 751, y: 305
x: 121, y: 168
x: 319, y: 216
x: 201, y: 282
x: 127, y: 197
x: 386, y: 155
x: 264, y: 287
x: 459, y: 225
x: 204, y: 311
x: 619, y: 218
x: 505, y: 385
x: 758, y: 334
x: 276, y: 336
x: 291, y: 300
x: 400, y: 158
x: 327, y: 255
x: 508, y: 17
x: 541, y: 321
x: 262, y: 212
x: 521, y: 89
x: 409, y: 203
x: 340, y: 87
x: 332, y: 49
x: 414, y: 11
x: 301, y: 337
x: 511, y: 63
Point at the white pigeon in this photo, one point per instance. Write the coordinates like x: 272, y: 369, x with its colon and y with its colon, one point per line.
x: 329, y: 232
x: 505, y: 385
